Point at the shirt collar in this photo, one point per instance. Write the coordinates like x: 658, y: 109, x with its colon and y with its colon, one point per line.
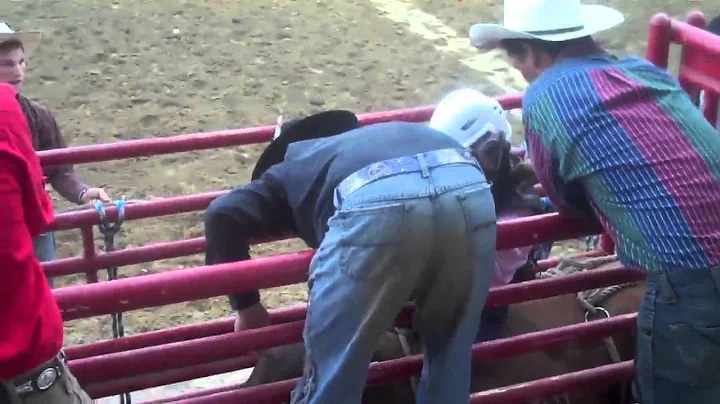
x: 581, y: 50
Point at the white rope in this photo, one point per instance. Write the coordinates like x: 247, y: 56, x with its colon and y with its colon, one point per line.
x: 593, y: 297
x: 402, y: 337
x: 590, y: 300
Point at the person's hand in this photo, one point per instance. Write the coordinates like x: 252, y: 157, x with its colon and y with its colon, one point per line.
x: 255, y: 316
x: 95, y: 193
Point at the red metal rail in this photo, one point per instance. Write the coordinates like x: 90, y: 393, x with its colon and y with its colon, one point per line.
x: 226, y: 138
x: 550, y: 227
x: 128, y: 294
x: 204, y: 350
x: 700, y: 56
x: 548, y: 388
x: 209, y: 281
x: 84, y: 220
x: 402, y: 368
x: 176, y: 334
x: 215, y: 327
x: 150, y: 380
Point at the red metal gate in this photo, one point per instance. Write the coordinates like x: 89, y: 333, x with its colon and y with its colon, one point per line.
x: 177, y: 354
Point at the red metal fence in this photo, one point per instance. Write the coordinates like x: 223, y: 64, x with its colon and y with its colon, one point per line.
x: 183, y: 353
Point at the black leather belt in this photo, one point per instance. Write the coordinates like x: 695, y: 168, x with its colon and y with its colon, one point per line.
x: 42, y: 378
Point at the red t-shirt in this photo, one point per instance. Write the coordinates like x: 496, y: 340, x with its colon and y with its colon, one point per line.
x: 31, y: 328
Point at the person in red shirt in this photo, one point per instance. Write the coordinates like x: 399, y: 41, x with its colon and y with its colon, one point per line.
x: 33, y: 369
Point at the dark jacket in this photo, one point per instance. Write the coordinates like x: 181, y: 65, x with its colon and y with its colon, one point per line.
x: 297, y: 194
x: 46, y: 135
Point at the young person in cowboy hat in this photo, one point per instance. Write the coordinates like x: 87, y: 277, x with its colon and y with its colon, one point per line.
x: 395, y: 210
x: 32, y: 367
x: 15, y: 49
x: 619, y: 137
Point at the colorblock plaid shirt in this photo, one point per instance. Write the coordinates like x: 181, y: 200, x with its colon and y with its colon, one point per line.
x: 620, y: 138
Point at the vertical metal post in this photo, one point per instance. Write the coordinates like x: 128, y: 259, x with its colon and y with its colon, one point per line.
x: 658, y: 51
x: 109, y: 231
x: 88, y: 241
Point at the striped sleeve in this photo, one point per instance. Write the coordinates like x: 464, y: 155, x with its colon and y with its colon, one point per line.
x: 545, y: 136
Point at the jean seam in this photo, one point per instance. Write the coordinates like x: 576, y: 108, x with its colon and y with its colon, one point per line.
x: 645, y: 392
x: 307, y: 380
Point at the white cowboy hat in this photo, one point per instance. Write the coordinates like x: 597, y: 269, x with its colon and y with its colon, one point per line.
x: 29, y: 39
x: 547, y: 20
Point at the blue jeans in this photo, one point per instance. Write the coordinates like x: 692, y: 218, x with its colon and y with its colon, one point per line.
x: 44, y: 247
x: 678, y: 358
x: 427, y: 236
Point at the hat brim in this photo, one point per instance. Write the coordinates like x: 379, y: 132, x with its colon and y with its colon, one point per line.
x: 29, y: 39
x: 321, y: 125
x: 595, y: 18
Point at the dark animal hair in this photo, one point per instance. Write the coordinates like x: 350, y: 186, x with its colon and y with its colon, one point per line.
x: 514, y: 186
x: 11, y: 44
x: 516, y: 47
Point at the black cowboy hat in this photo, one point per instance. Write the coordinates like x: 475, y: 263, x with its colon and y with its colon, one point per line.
x: 320, y: 125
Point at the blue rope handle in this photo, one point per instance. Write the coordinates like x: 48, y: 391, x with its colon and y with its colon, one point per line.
x: 109, y: 231
x: 105, y: 225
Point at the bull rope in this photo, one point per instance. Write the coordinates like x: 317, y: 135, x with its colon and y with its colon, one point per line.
x: 109, y: 231
x: 591, y: 300
x: 588, y: 299
x: 402, y: 334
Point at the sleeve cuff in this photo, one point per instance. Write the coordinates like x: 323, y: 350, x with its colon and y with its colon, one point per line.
x: 244, y: 300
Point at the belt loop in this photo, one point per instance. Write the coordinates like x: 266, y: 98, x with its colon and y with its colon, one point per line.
x: 423, y: 165
x: 666, y: 292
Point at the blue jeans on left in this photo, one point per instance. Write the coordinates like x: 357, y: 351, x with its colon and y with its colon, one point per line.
x: 44, y: 247
x: 427, y: 236
x: 678, y: 352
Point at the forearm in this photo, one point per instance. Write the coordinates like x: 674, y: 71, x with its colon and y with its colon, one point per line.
x: 228, y: 241
x: 258, y: 209
x: 224, y: 247
x: 65, y: 181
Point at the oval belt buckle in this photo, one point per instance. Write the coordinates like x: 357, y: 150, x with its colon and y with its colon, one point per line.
x: 47, y: 378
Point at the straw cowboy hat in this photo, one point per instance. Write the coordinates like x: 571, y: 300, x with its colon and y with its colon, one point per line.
x: 323, y: 124
x: 547, y: 20
x: 29, y: 39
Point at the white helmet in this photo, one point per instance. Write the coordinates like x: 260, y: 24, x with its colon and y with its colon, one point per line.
x: 467, y: 114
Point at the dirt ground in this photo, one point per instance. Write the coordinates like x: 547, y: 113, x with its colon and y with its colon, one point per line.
x: 125, y: 70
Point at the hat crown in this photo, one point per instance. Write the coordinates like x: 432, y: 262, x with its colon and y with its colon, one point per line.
x: 542, y: 15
